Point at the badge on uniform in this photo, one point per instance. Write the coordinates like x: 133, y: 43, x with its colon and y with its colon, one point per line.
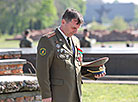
x: 42, y: 51
x: 58, y: 46
x: 80, y: 52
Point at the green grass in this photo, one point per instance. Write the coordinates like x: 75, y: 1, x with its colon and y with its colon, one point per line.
x: 12, y: 43
x: 109, y: 93
x: 15, y: 43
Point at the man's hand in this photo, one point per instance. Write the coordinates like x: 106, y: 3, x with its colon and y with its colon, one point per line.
x: 47, y: 100
x: 99, y: 75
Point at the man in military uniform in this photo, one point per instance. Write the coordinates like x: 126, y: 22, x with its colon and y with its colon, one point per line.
x: 26, y: 42
x: 85, y: 41
x: 59, y: 61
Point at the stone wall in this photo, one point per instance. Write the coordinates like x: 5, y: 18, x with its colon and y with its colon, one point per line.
x: 99, y: 35
x: 104, y: 36
x: 15, y: 86
x: 19, y: 88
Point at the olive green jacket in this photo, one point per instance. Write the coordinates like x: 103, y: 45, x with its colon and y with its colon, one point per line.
x: 85, y: 42
x: 58, y: 69
x: 25, y: 43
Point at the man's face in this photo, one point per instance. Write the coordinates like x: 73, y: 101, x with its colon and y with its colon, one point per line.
x: 87, y: 34
x: 70, y: 28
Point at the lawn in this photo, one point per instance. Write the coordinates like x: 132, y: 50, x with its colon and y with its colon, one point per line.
x: 109, y: 93
x: 12, y: 43
x: 15, y: 43
x: 92, y: 92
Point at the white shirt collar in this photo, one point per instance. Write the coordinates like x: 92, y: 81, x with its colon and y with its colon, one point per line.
x: 62, y: 33
x: 64, y: 36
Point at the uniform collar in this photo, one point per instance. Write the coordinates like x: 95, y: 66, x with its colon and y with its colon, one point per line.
x: 62, y: 34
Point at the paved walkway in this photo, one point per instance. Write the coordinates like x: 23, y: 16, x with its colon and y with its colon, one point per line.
x: 115, y: 79
x: 110, y: 82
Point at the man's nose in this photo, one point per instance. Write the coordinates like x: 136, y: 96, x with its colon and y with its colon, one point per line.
x: 76, y: 30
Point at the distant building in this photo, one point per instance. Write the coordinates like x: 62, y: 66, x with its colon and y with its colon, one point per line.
x: 95, y: 11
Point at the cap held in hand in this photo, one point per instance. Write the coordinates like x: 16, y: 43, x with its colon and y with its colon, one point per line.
x: 94, y: 67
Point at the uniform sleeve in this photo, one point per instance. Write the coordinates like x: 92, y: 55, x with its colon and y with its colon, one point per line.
x: 44, y: 59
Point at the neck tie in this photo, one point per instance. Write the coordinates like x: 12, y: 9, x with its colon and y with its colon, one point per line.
x: 71, y: 46
x: 69, y: 42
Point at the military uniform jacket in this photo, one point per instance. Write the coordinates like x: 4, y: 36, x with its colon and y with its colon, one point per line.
x: 25, y: 43
x: 85, y: 42
x: 58, y: 69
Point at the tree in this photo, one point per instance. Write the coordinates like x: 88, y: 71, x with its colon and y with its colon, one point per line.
x: 118, y: 23
x: 96, y: 26
x: 134, y: 22
x: 61, y: 5
x: 16, y: 14
x: 46, y: 15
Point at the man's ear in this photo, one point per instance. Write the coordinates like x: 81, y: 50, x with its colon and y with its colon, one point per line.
x: 63, y: 21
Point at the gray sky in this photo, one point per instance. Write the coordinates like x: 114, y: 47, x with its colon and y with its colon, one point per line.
x: 122, y: 1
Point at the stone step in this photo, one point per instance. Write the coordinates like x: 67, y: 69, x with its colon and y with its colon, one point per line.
x: 12, y: 61
x: 15, y: 86
x: 32, y: 96
x: 12, y: 66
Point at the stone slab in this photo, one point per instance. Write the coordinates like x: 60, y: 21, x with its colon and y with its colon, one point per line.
x: 12, y: 61
x: 9, y: 51
x: 110, y: 50
x: 19, y: 94
x: 18, y: 83
x: 112, y: 82
x: 13, y: 78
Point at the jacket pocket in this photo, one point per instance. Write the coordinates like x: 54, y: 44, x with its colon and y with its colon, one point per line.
x: 57, y: 82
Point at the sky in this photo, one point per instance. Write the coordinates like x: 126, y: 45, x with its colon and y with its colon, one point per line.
x: 122, y: 1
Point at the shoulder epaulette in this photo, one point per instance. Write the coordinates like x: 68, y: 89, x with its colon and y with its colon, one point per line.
x: 50, y: 34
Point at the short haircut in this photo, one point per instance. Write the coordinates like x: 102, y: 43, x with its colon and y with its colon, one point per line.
x: 26, y: 32
x: 70, y: 14
x: 85, y: 30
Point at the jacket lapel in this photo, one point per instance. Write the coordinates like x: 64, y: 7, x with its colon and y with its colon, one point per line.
x: 65, y: 44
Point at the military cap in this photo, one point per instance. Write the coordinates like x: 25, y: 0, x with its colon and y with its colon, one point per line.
x: 95, y: 63
x: 94, y: 67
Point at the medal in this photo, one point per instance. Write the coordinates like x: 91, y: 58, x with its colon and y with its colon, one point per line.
x: 58, y: 50
x: 60, y: 39
x: 58, y: 46
x: 61, y: 56
x: 67, y: 56
x: 62, y: 50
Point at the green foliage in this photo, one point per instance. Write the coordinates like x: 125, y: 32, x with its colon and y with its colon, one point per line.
x: 118, y: 23
x: 18, y: 15
x: 79, y: 5
x: 109, y: 93
x: 96, y: 26
x: 47, y: 15
x: 134, y: 22
x: 105, y: 19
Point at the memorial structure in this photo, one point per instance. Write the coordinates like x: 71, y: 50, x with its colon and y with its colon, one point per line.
x: 15, y: 86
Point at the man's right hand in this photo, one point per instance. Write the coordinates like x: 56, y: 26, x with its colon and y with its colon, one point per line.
x: 47, y: 100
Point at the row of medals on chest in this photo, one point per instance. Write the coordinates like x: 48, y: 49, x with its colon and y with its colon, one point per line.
x: 62, y: 53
